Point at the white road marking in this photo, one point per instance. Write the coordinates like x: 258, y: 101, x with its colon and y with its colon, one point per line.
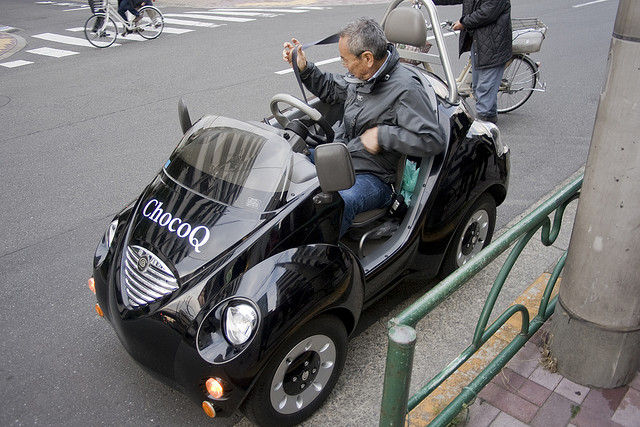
x: 243, y: 13
x: 214, y: 14
x: 85, y: 7
x: 326, y: 61
x: 171, y: 30
x: 64, y: 39
x: 262, y: 10
x: 207, y: 17
x: 50, y: 51
x: 189, y: 23
x: 168, y: 30
x: 589, y: 3
x: 14, y: 64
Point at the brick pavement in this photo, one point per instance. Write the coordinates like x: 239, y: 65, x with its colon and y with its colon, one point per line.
x: 527, y: 394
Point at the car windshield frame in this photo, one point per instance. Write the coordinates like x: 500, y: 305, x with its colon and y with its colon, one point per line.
x: 233, y: 163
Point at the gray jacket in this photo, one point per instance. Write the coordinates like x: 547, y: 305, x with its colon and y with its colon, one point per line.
x: 487, y: 23
x: 395, y: 102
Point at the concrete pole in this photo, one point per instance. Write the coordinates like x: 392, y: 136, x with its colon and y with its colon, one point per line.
x: 595, y: 329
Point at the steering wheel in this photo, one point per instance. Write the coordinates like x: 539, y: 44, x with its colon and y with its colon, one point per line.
x: 313, y: 114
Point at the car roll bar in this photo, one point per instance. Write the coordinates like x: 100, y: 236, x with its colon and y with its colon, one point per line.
x: 437, y: 32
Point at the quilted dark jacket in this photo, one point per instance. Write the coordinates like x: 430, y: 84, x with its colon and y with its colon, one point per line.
x: 487, y: 23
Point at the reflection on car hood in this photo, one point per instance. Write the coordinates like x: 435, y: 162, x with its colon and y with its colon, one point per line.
x: 186, y: 230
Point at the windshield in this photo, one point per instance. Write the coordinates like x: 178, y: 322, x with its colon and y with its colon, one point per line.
x: 243, y: 166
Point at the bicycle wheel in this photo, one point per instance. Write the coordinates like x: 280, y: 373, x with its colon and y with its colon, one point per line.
x: 519, y: 78
x: 100, y: 32
x: 151, y: 24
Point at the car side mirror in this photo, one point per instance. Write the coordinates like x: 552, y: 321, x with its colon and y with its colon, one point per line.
x: 183, y: 115
x: 334, y: 167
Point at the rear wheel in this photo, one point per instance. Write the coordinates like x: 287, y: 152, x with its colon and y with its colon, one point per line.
x: 300, y: 375
x: 519, y: 78
x: 472, y: 235
x: 100, y: 32
x: 151, y: 24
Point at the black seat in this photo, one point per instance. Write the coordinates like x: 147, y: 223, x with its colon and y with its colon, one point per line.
x: 364, y: 218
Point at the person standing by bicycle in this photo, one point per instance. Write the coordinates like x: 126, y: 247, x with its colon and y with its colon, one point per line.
x: 485, y: 31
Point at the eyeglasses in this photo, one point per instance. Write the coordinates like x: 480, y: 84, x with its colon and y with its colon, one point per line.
x: 346, y: 62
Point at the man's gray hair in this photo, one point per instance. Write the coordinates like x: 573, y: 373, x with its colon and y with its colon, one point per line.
x: 365, y: 34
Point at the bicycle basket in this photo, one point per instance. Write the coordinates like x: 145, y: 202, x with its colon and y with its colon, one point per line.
x: 527, y: 34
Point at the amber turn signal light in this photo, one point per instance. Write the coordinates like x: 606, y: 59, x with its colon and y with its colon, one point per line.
x: 99, y: 311
x: 92, y: 285
x: 214, y: 388
x: 208, y: 409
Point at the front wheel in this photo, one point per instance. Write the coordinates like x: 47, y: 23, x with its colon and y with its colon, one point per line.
x: 300, y: 375
x: 151, y: 24
x: 518, y: 81
x: 472, y: 235
x: 100, y: 31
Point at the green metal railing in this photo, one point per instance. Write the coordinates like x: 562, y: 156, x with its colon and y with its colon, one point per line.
x: 396, y: 402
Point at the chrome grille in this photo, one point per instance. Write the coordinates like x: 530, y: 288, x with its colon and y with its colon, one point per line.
x: 146, y: 278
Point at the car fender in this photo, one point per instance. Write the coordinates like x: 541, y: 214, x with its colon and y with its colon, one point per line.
x: 287, y: 289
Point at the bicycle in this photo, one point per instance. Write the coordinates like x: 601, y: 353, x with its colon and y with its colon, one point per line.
x: 101, y: 29
x: 522, y: 74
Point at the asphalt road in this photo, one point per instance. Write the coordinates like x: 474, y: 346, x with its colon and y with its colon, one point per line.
x: 82, y: 134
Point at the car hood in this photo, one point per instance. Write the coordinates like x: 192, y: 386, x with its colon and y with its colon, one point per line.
x: 185, y: 230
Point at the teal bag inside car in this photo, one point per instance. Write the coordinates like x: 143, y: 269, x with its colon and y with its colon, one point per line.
x: 409, y: 180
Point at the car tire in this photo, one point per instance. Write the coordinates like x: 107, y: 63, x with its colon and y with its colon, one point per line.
x: 300, y: 375
x: 472, y: 235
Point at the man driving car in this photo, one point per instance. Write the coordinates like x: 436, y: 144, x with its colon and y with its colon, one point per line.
x: 387, y: 112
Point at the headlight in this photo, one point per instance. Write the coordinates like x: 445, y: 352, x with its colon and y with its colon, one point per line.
x: 103, y: 248
x: 110, y: 233
x: 239, y: 323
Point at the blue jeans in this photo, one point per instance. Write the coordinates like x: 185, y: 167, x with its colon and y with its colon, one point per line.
x: 368, y: 193
x: 127, y: 5
x: 486, y: 83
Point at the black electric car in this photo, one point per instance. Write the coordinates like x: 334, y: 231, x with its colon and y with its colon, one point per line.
x: 227, y: 278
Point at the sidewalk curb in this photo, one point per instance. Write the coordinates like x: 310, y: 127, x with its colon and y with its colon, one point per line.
x: 10, y: 44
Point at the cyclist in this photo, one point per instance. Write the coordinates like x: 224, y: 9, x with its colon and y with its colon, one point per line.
x: 130, y: 6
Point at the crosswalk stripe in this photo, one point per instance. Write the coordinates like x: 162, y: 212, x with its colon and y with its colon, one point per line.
x: 168, y: 30
x: 64, y: 39
x: 189, y: 23
x: 262, y: 10
x: 171, y: 30
x: 326, y: 61
x: 207, y: 17
x: 192, y: 19
x: 134, y: 36
x: 14, y: 64
x: 243, y: 13
x: 50, y: 51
